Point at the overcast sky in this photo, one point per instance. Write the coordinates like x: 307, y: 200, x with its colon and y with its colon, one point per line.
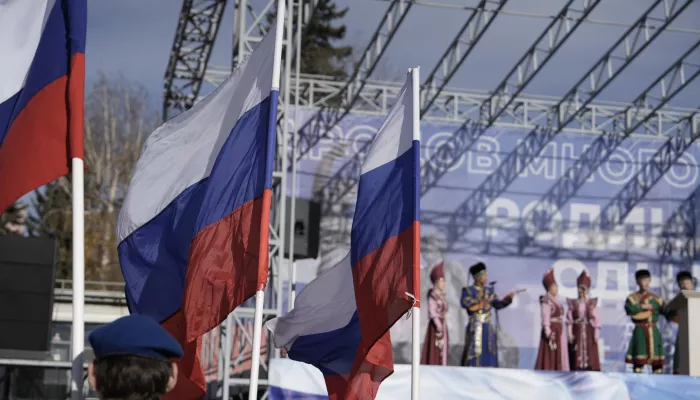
x: 134, y: 37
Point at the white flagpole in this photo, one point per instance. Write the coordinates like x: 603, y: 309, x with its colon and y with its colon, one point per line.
x: 78, y: 325
x: 295, y: 133
x: 260, y: 294
x: 228, y: 350
x: 415, y: 359
x: 257, y: 339
x: 415, y: 313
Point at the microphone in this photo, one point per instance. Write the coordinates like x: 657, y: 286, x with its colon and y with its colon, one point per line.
x: 492, y: 283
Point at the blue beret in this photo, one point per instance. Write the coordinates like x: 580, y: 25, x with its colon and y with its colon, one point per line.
x: 136, y: 335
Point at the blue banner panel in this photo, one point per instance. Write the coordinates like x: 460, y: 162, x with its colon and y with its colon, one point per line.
x: 494, y: 232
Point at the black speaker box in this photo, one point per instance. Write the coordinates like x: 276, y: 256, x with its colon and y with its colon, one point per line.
x: 26, y: 292
x: 305, y: 227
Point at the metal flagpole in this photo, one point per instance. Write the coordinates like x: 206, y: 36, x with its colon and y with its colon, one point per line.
x: 295, y: 133
x: 260, y: 294
x: 227, y: 355
x: 498, y: 323
x: 415, y: 312
x: 415, y: 356
x: 78, y: 325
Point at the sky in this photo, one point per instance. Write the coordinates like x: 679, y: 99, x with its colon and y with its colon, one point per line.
x: 134, y: 38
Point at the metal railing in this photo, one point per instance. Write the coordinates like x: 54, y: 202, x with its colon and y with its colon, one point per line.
x: 95, y: 292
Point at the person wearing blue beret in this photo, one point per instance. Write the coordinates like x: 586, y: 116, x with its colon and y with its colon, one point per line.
x: 134, y: 359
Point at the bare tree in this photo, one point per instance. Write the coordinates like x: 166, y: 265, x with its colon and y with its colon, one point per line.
x: 117, y: 120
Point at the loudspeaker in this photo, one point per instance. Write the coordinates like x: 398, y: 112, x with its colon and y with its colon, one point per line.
x: 305, y: 227
x: 26, y: 292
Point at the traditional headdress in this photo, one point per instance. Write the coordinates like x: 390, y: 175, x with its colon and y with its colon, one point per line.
x: 548, y: 279
x: 583, y: 280
x: 477, y: 269
x: 642, y: 273
x: 684, y: 275
x: 437, y: 273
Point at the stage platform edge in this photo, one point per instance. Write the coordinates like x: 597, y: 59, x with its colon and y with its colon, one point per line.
x: 291, y: 380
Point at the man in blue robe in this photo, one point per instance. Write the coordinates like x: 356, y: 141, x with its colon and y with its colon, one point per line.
x: 479, y: 300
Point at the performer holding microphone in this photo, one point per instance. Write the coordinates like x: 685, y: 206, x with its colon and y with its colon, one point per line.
x: 436, y: 339
x: 480, y: 349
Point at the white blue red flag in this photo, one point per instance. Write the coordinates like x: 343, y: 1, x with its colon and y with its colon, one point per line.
x: 42, y: 85
x: 193, y: 230
x: 340, y: 321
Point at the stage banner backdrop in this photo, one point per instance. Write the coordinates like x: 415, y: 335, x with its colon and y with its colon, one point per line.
x: 568, y: 242
x: 291, y: 380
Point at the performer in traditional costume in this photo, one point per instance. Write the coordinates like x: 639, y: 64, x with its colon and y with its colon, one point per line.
x: 685, y: 282
x: 436, y: 338
x: 553, y: 354
x: 583, y: 325
x: 480, y: 349
x: 646, y: 345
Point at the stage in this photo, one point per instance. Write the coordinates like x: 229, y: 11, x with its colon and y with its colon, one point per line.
x: 290, y: 380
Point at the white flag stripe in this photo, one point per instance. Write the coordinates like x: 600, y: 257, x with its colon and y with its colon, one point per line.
x: 172, y: 158
x: 21, y: 25
x: 386, y: 148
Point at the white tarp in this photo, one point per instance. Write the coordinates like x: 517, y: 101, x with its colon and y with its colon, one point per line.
x: 291, y: 380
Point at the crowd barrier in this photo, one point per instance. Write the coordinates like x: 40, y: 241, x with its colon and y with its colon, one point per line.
x: 291, y: 380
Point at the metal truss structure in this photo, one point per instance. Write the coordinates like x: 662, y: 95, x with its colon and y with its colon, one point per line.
x: 458, y: 51
x: 476, y: 111
x: 679, y: 232
x: 627, y: 48
x: 639, y: 185
x: 337, y: 107
x: 490, y: 108
x: 194, y: 40
x: 635, y: 116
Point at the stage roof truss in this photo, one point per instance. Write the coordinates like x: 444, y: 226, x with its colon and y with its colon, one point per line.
x: 493, y: 105
x: 570, y: 107
x: 459, y: 49
x: 681, y: 136
x: 678, y: 237
x: 194, y: 39
x: 326, y: 118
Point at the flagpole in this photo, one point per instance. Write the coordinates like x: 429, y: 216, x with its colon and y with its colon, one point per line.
x: 260, y: 294
x: 415, y: 314
x: 226, y: 362
x: 295, y: 133
x: 257, y: 339
x: 78, y: 325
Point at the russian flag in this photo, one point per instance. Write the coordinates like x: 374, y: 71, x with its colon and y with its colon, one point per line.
x: 193, y: 229
x: 340, y: 321
x: 42, y: 86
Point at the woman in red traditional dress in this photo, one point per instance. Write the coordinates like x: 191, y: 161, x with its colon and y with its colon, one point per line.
x: 584, y: 328
x: 553, y: 354
x: 436, y: 340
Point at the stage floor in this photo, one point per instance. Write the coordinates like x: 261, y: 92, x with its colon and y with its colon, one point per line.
x: 290, y: 380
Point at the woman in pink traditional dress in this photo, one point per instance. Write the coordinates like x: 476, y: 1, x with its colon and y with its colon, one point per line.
x: 436, y: 340
x: 584, y: 328
x: 553, y: 354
